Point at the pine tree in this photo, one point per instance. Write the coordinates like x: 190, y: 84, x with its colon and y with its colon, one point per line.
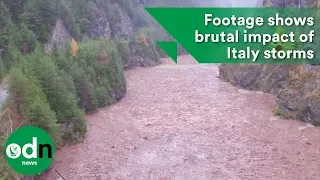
x: 63, y: 59
x: 56, y: 89
x: 48, y: 11
x: 61, y: 97
x: 81, y: 11
x: 102, y: 96
x: 55, y: 51
x: 3, y: 42
x: 2, y: 69
x: 13, y: 33
x: 16, y: 8
x: 4, y: 19
x: 31, y: 104
x: 13, y: 55
x: 31, y: 17
x: 69, y: 19
x: 84, y: 88
x: 28, y: 39
x: 4, y: 15
x: 124, y: 52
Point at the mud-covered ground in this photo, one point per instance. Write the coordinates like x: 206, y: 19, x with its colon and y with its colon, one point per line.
x: 180, y: 122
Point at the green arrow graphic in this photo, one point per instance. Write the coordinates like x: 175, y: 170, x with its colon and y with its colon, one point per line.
x: 171, y: 48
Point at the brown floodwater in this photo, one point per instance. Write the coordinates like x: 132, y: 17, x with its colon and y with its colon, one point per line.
x: 181, y: 122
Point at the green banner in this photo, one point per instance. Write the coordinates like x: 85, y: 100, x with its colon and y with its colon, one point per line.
x: 243, y: 35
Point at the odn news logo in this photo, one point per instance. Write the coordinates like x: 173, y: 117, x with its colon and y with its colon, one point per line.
x: 29, y: 150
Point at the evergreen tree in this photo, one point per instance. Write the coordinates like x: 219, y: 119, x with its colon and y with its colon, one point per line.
x: 31, y: 17
x: 9, y: 35
x: 4, y: 15
x: 13, y: 33
x: 28, y: 39
x: 69, y: 19
x: 16, y: 8
x: 31, y: 103
x: 63, y: 60
x: 124, y: 52
x: 48, y: 11
x: 3, y: 42
x: 2, y: 69
x: 62, y: 101
x: 81, y: 11
x: 84, y: 88
x: 13, y: 55
x: 4, y: 20
x: 55, y: 51
x: 102, y: 96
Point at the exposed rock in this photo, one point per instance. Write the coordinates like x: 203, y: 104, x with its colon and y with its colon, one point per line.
x: 266, y: 78
x: 290, y: 3
x: 100, y: 26
x: 60, y: 35
x: 123, y: 27
x: 114, y: 23
x: 244, y: 76
x: 274, y: 77
x: 300, y: 97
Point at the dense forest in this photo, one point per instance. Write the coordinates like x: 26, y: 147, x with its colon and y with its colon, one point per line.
x: 53, y: 84
x: 53, y: 89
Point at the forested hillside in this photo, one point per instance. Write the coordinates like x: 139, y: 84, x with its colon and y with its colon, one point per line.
x: 62, y: 59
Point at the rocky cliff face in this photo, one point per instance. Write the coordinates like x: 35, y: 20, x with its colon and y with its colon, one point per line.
x: 115, y: 23
x: 290, y: 3
x: 123, y: 27
x: 99, y: 26
x: 268, y: 78
x: 300, y: 96
x: 297, y: 87
x: 59, y: 36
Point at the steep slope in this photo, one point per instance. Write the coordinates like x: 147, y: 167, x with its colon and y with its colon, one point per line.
x: 296, y: 87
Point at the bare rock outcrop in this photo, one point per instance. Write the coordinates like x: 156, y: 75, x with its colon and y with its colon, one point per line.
x: 60, y: 35
x: 99, y: 26
x: 266, y: 78
x: 300, y: 97
x: 123, y: 27
x: 290, y: 3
